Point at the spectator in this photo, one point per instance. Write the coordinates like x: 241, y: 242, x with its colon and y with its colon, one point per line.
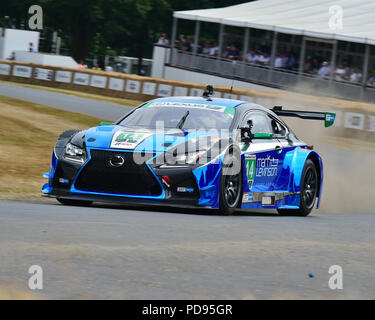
x: 371, y: 80
x: 12, y: 57
x: 257, y: 57
x: 250, y: 56
x: 96, y: 67
x: 285, y: 59
x: 340, y: 73
x: 348, y: 70
x: 278, y: 61
x: 356, y: 75
x: 180, y: 41
x: 163, y: 41
x: 31, y: 47
x: 264, y: 59
x: 206, y: 48
x: 182, y: 38
x: 187, y: 46
x: 214, y: 50
x: 325, y: 70
x: 291, y: 61
x: 315, y: 66
x: 200, y: 47
x: 81, y: 65
x: 233, y: 53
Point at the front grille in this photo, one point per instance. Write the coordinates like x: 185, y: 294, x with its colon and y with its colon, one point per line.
x: 130, y: 178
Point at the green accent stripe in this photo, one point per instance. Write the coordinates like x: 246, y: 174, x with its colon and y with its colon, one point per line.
x: 230, y: 111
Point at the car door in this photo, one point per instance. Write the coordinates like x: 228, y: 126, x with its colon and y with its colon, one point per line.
x: 281, y: 133
x: 262, y: 158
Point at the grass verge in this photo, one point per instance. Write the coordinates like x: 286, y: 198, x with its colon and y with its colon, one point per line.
x: 28, y: 132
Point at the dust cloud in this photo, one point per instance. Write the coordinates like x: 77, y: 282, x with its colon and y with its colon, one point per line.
x: 348, y: 170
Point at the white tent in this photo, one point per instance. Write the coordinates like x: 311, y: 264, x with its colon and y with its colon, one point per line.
x: 301, y: 17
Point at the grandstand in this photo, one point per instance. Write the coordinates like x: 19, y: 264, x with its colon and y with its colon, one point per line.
x: 295, y: 39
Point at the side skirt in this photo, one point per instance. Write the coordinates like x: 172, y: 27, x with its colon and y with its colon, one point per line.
x: 270, y: 200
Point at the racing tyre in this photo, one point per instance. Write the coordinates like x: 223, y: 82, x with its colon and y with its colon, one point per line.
x: 309, y: 191
x: 70, y: 202
x: 230, y: 184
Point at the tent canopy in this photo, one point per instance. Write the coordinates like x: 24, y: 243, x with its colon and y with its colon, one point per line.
x: 301, y: 17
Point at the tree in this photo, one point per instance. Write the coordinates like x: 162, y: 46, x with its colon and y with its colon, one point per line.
x: 85, y: 25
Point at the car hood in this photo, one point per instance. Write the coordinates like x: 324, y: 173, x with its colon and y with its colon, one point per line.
x: 141, y: 139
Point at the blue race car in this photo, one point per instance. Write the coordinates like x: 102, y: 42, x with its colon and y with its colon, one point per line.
x: 191, y: 152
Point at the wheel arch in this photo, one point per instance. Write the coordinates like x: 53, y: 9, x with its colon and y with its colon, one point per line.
x: 299, y: 158
x: 317, y: 160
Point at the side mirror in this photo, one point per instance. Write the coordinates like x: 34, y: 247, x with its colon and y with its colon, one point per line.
x: 105, y: 123
x: 264, y: 136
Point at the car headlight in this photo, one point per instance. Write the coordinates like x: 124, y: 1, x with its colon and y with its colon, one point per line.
x: 74, y: 153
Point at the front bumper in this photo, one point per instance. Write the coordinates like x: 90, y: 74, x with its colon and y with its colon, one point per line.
x: 183, y: 203
x: 96, y: 181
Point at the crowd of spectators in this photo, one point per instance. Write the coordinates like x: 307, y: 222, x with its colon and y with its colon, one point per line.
x: 283, y: 60
x: 254, y: 56
x: 342, y: 72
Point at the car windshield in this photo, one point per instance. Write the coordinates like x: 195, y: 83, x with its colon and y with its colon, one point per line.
x: 186, y: 116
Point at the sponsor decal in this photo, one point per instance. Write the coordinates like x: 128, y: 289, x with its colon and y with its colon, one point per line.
x: 184, y: 189
x: 116, y: 84
x: 330, y: 119
x: 371, y: 123
x: 149, y: 88
x: 229, y: 111
x: 164, y: 90
x: 354, y: 121
x: 63, y: 76
x: 43, y: 74
x: 81, y: 79
x: 128, y: 139
x: 133, y: 86
x: 98, y: 81
x: 250, y: 164
x: 267, y: 167
x: 180, y: 91
x: 22, y: 71
x: 247, y: 198
x: 268, y: 201
x: 4, y: 69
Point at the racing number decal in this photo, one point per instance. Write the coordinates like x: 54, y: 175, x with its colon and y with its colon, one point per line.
x: 250, y: 163
x: 128, y: 140
x: 129, y: 137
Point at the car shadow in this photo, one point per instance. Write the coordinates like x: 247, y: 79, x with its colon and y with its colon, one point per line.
x: 187, y: 211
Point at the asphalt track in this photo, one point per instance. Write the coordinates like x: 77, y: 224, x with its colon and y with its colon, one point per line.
x: 153, y: 253
x: 125, y: 253
x: 99, y: 109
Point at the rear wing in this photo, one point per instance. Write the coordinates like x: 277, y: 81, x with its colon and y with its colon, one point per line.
x: 328, y: 117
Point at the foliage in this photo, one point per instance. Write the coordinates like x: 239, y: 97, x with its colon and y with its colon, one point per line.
x: 100, y: 27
